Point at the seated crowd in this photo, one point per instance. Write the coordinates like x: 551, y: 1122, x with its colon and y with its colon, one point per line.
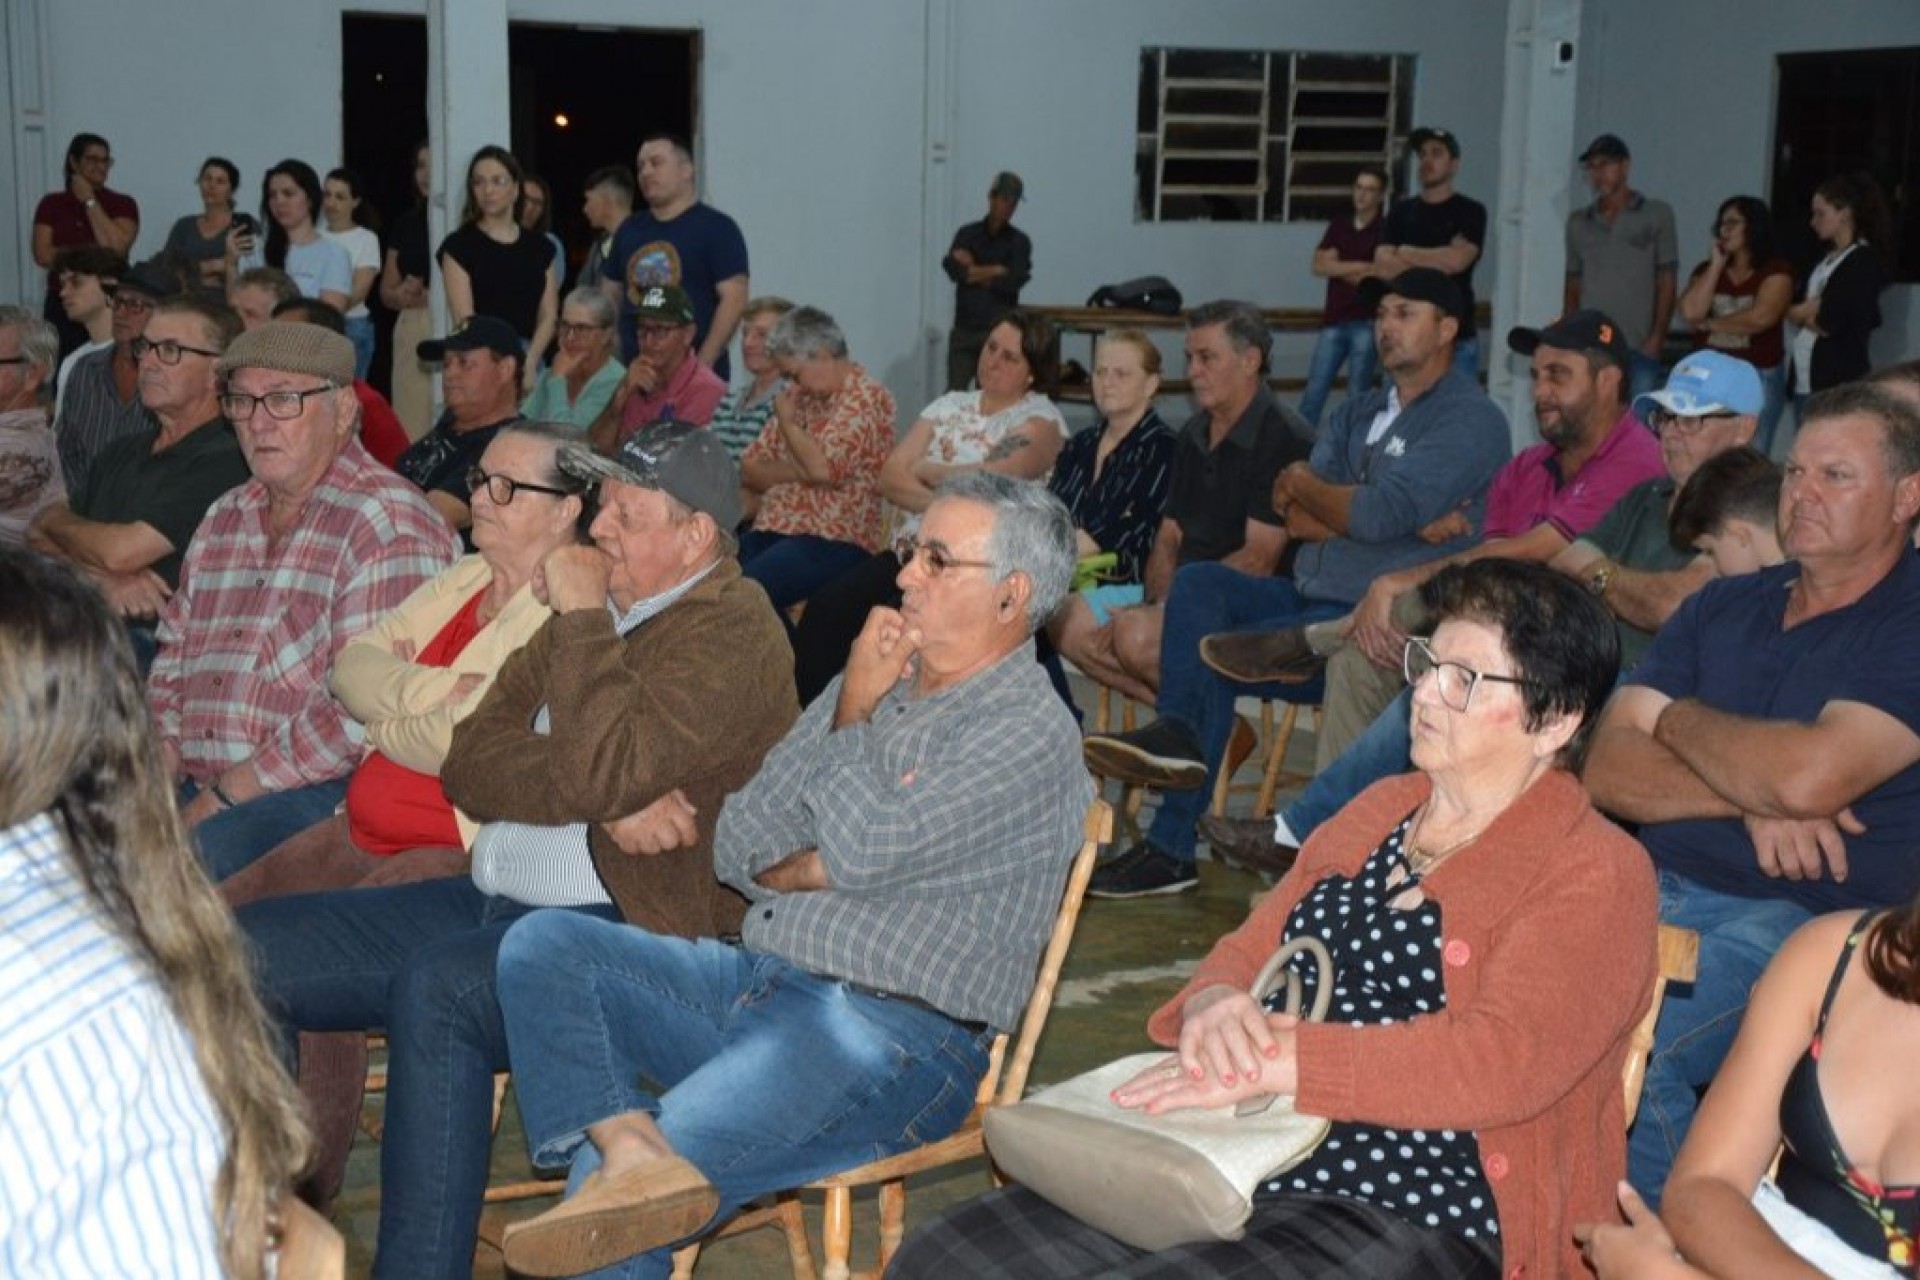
x: 754, y: 707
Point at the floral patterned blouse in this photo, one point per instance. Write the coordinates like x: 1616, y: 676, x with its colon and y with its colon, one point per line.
x: 854, y: 427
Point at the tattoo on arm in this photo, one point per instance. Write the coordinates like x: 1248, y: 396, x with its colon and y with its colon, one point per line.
x: 1007, y: 447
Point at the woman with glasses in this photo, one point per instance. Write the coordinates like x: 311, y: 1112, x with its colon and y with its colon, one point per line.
x: 1493, y: 946
x: 580, y: 382
x: 492, y: 266
x: 421, y: 669
x: 84, y: 211
x: 749, y: 404
x: 290, y: 209
x: 197, y: 243
x: 1736, y: 299
x: 1007, y: 426
x: 815, y: 468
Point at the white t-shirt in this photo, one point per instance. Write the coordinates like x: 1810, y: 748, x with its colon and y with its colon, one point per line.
x: 363, y: 250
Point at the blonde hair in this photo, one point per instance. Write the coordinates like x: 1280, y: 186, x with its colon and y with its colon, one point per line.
x: 1139, y: 341
x: 80, y: 746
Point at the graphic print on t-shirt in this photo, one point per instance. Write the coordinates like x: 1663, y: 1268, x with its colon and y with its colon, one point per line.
x: 656, y: 262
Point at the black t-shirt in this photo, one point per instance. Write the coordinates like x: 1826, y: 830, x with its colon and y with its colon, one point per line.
x: 170, y: 490
x: 408, y: 240
x: 1213, y: 492
x: 508, y: 279
x: 1420, y: 225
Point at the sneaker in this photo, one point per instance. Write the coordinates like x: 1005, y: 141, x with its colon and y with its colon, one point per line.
x: 1143, y: 871
x: 1255, y: 657
x: 1248, y: 843
x: 1165, y: 756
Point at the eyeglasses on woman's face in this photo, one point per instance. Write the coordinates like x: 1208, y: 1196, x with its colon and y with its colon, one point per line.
x: 502, y: 488
x: 1454, y: 682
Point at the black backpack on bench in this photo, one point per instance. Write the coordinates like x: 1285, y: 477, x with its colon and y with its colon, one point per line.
x: 1147, y: 293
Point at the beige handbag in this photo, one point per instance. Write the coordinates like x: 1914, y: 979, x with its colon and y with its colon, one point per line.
x: 1159, y: 1181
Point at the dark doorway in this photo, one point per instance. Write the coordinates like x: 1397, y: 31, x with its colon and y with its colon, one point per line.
x: 1845, y: 111
x: 610, y: 87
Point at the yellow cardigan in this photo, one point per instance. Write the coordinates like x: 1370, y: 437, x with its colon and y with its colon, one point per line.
x: 403, y: 704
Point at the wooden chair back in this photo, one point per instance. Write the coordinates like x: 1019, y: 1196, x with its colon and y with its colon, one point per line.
x: 1679, y: 962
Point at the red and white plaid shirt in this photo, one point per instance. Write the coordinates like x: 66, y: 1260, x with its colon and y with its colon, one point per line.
x: 247, y: 642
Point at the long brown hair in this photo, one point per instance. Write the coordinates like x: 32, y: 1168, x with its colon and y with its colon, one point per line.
x: 1893, y: 952
x: 80, y: 746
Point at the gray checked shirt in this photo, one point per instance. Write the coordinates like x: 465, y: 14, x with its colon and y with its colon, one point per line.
x: 945, y: 824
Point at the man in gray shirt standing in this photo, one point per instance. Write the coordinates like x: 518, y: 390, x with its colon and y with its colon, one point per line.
x: 1621, y: 258
x: 903, y: 852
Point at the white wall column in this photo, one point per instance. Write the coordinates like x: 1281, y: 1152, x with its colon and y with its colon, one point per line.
x: 30, y: 159
x: 936, y: 197
x: 1537, y: 149
x: 468, y: 106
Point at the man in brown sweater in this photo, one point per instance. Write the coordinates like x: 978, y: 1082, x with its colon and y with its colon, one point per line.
x: 663, y: 679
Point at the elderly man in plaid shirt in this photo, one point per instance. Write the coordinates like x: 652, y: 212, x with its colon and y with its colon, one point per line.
x: 902, y: 850
x: 282, y: 572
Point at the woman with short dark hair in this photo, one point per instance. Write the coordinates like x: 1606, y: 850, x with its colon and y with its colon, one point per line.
x: 1736, y: 299
x: 1493, y: 946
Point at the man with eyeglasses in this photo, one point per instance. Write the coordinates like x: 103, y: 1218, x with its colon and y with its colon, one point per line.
x: 129, y: 524
x: 83, y: 211
x: 903, y: 850
x: 101, y: 395
x: 480, y: 380
x: 655, y: 690
x: 666, y: 380
x: 1768, y: 744
x: 88, y: 276
x: 283, y: 571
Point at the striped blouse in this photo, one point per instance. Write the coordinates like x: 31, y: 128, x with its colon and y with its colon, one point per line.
x: 1121, y: 510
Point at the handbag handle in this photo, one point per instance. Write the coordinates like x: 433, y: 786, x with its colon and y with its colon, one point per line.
x: 1271, y: 974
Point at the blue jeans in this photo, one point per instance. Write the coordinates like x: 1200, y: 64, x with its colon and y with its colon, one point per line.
x: 762, y: 1074
x: 416, y: 959
x: 1339, y: 344
x: 1774, y: 383
x: 1206, y: 598
x: 1738, y: 937
x: 1644, y: 374
x: 790, y: 567
x: 360, y: 334
x: 1380, y: 752
x: 1466, y: 357
x: 238, y: 837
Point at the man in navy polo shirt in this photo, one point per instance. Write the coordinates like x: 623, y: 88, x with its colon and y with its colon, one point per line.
x: 1767, y: 743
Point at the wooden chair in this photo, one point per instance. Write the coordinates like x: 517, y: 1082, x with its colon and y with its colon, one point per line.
x: 1004, y: 1083
x: 1131, y: 796
x: 1274, y: 774
x: 1679, y: 962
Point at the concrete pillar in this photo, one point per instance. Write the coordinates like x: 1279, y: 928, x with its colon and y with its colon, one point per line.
x: 468, y: 106
x: 31, y: 160
x: 1537, y: 148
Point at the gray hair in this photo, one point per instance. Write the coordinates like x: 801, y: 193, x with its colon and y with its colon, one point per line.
x: 1246, y: 327
x: 560, y: 435
x: 1032, y: 534
x: 39, y: 340
x: 596, y: 303
x: 805, y: 332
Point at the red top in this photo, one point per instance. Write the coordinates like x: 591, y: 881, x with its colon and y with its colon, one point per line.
x: 380, y: 431
x: 1763, y: 350
x: 391, y: 808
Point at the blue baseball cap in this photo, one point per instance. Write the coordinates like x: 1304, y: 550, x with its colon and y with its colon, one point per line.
x: 1706, y: 382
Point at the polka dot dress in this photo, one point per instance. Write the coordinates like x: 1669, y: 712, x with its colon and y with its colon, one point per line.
x: 1387, y: 969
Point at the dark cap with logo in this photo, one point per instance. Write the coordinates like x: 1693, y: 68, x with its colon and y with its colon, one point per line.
x: 686, y: 462
x: 1580, y: 331
x: 475, y: 333
x: 1419, y: 284
x: 1421, y: 137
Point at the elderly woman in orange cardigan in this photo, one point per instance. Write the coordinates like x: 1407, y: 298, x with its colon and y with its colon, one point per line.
x: 1493, y: 944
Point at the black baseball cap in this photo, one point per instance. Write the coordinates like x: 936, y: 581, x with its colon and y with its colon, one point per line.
x: 1419, y: 284
x: 1580, y: 331
x: 1607, y: 146
x: 1421, y: 137
x: 475, y: 333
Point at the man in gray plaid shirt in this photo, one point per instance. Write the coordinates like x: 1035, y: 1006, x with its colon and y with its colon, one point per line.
x: 903, y: 849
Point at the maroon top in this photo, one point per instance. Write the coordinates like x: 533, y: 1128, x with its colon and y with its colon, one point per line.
x: 67, y: 216
x: 1763, y: 350
x: 1353, y: 244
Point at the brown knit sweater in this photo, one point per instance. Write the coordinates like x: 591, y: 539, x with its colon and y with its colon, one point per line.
x: 693, y: 699
x: 1548, y: 961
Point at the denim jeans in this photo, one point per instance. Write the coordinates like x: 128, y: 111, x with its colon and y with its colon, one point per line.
x: 238, y: 837
x: 418, y: 960
x: 360, y: 334
x: 1380, y: 752
x: 1206, y: 598
x: 792, y: 566
x: 1773, y: 382
x: 762, y: 1074
x: 1466, y: 357
x: 1644, y: 374
x: 1339, y: 344
x: 1738, y: 937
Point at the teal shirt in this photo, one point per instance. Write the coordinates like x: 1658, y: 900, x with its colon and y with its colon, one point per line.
x: 548, y: 403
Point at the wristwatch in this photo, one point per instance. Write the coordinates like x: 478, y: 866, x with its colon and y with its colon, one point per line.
x: 92, y: 202
x: 1601, y: 578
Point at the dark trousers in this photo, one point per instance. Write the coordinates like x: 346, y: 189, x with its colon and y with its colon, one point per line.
x: 834, y: 616
x: 963, y: 356
x: 1013, y: 1233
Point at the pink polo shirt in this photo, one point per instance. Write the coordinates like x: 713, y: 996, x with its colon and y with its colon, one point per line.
x: 691, y: 395
x: 1530, y: 489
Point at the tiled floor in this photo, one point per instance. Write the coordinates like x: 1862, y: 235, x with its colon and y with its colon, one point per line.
x: 1126, y: 958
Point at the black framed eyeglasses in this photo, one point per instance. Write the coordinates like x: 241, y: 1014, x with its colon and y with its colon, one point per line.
x: 282, y: 406
x: 502, y: 488
x: 1453, y: 681
x: 934, y: 558
x: 167, y: 351
x: 1663, y: 421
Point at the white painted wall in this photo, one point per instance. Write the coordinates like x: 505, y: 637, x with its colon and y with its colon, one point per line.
x: 815, y: 128
x: 1690, y: 86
